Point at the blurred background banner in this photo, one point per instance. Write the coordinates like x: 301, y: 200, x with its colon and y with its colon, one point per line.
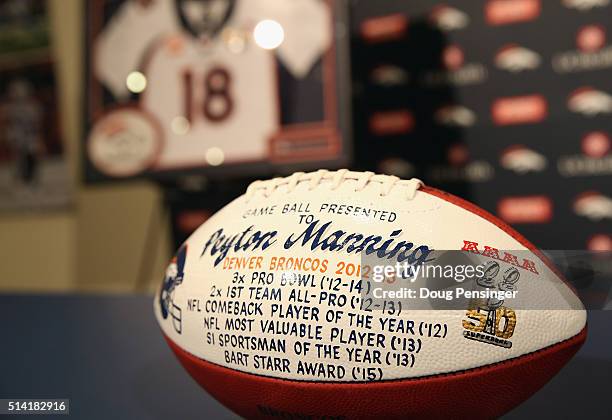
x: 506, y: 103
x: 156, y: 113
x: 33, y: 170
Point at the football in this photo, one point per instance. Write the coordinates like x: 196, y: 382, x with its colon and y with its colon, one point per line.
x: 285, y: 303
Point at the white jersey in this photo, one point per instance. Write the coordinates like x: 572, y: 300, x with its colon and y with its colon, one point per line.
x: 212, y: 94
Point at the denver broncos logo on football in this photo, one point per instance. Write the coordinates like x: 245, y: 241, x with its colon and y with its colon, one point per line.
x: 172, y: 279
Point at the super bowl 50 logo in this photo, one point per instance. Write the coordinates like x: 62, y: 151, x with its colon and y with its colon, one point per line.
x: 488, y: 320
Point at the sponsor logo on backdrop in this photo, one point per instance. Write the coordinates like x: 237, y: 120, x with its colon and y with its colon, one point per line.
x: 504, y: 12
x: 591, y: 38
x: 453, y: 57
x: 527, y: 209
x: 391, y: 122
x: 457, y: 71
x: 595, y: 161
x: 460, y: 167
x: 384, y: 28
x: 447, y: 18
x: 585, y: 5
x: 519, y: 110
x: 522, y: 160
x: 589, y: 102
x: 593, y: 205
x: 458, y: 154
x: 599, y: 242
x: 516, y: 59
x: 596, y: 144
x: 397, y: 166
x: 592, y: 52
x: 475, y: 171
x: 455, y: 116
x: 389, y: 75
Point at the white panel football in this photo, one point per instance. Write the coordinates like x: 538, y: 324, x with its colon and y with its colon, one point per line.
x: 231, y: 308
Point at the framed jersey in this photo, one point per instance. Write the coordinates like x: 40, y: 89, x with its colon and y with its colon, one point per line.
x: 214, y: 86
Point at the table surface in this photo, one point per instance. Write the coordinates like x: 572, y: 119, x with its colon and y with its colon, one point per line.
x: 107, y: 355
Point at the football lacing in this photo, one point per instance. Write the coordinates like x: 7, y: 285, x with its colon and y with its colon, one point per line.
x: 314, y: 179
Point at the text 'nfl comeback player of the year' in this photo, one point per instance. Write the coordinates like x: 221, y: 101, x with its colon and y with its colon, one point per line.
x: 279, y: 305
